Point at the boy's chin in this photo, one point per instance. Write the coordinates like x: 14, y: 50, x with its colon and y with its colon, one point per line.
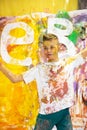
x: 50, y: 60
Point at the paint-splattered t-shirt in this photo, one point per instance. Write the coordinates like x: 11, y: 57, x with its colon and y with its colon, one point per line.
x: 54, y: 83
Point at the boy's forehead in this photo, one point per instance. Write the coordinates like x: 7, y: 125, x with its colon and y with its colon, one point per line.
x: 51, y: 42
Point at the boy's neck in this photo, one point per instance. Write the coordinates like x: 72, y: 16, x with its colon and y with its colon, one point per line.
x: 54, y: 60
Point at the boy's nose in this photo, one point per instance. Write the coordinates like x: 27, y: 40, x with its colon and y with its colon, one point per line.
x: 48, y: 49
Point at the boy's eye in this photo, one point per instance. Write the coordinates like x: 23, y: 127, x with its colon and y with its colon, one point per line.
x: 45, y: 48
x: 52, y: 47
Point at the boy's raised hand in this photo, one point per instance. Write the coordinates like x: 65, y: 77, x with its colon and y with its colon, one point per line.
x: 0, y: 65
x: 11, y: 76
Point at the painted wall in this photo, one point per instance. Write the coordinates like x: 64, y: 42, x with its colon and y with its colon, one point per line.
x: 20, y: 7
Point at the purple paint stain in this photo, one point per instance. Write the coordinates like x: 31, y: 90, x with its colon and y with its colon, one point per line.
x: 75, y: 85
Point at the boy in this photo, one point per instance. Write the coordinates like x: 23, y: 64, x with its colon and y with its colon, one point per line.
x: 54, y: 80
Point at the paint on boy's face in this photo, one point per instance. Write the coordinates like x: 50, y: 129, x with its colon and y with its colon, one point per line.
x: 51, y: 50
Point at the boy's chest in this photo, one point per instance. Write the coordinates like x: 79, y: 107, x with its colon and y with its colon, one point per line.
x: 55, y: 74
x: 53, y: 81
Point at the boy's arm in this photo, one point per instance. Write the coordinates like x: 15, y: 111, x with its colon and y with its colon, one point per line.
x: 82, y: 53
x: 13, y: 77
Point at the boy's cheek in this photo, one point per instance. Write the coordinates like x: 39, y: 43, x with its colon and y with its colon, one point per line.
x: 42, y: 55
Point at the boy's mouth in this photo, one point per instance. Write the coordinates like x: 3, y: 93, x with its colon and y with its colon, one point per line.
x: 49, y: 54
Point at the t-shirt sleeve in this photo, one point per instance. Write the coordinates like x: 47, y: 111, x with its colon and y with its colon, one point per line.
x: 29, y: 75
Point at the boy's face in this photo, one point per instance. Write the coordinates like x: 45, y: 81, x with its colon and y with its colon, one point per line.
x: 50, y: 49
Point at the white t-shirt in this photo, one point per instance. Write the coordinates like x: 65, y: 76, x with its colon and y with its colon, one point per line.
x: 55, y: 84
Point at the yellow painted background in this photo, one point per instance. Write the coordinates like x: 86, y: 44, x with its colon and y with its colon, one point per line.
x: 20, y: 7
